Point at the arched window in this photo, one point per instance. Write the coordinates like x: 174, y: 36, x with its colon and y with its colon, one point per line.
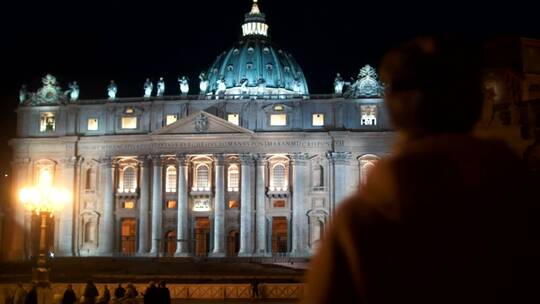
x: 202, y: 177
x: 170, y: 179
x: 233, y: 178
x: 367, y: 163
x: 279, y: 180
x: 129, y: 180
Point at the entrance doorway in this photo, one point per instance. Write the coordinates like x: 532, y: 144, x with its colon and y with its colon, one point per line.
x: 170, y: 243
x: 128, y: 235
x: 280, y: 232
x: 233, y: 243
x: 202, y: 236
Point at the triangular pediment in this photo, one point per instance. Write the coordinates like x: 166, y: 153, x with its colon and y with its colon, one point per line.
x: 202, y: 123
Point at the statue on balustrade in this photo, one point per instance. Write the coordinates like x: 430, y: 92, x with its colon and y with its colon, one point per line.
x: 112, y: 89
x: 221, y: 87
x: 73, y: 91
x: 243, y: 85
x: 160, y: 87
x: 148, y: 88
x: 261, y: 86
x: 23, y: 94
x: 339, y: 83
x: 203, y: 85
x: 184, y: 85
x: 296, y: 86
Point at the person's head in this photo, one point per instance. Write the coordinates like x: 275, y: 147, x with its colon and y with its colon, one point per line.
x: 89, y: 282
x: 162, y: 284
x: 69, y: 286
x: 433, y: 85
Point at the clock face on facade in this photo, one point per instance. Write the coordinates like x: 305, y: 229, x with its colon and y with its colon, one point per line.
x: 49, y: 94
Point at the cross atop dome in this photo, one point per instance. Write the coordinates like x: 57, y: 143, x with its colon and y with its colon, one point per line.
x: 255, y: 22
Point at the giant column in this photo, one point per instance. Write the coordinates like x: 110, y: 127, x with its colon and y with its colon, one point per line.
x: 144, y: 205
x: 157, y: 203
x: 106, y: 233
x: 219, y: 208
x: 246, y: 208
x: 65, y: 231
x: 299, y: 217
x: 182, y: 248
x: 260, y: 196
x: 341, y: 161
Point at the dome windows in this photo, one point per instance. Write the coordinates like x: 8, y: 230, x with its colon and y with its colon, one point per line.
x: 266, y: 50
x: 287, y: 69
x: 230, y: 68
x: 250, y: 50
x: 236, y: 51
x: 269, y: 66
x: 249, y: 65
x: 215, y: 71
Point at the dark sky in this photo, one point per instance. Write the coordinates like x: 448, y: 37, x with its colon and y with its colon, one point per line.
x: 94, y: 41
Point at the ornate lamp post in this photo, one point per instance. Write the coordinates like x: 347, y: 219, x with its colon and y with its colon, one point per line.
x: 43, y: 199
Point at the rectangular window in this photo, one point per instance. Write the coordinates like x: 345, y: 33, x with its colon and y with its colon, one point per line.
x: 233, y: 204
x: 317, y: 120
x: 129, y: 122
x: 128, y: 205
x: 278, y: 119
x: 170, y: 119
x: 171, y: 204
x: 47, y: 122
x: 234, y: 118
x: 92, y: 124
x: 278, y: 203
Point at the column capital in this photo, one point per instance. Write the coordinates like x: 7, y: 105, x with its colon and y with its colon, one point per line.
x: 261, y: 159
x: 108, y: 162
x: 299, y: 158
x: 157, y: 160
x: 144, y: 161
x: 182, y: 159
x: 246, y: 158
x: 71, y: 161
x: 339, y: 157
x: 219, y: 159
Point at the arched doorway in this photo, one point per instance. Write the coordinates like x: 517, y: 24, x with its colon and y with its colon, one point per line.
x: 233, y: 243
x: 170, y: 243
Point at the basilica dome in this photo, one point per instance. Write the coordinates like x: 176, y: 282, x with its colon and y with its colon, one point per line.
x: 255, y: 66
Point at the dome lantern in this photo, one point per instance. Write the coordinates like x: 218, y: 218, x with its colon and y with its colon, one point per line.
x: 255, y: 22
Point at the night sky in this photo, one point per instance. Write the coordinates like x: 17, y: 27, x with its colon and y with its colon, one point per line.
x: 93, y: 41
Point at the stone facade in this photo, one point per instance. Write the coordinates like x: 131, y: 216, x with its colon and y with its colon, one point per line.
x: 201, y: 185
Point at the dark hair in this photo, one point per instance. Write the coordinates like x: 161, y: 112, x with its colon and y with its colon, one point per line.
x: 433, y: 85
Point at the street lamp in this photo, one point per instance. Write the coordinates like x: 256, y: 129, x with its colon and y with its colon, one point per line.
x: 43, y: 199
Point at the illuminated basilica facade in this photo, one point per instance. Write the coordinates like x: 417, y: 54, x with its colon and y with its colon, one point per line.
x: 250, y: 165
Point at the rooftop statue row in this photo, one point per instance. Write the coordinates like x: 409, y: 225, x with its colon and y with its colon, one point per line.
x: 366, y: 84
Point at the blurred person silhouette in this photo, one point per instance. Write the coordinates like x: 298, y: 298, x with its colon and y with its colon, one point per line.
x: 19, y: 295
x: 119, y: 292
x: 151, y: 294
x: 447, y: 218
x: 69, y: 295
x: 164, y: 294
x: 31, y: 296
x: 90, y: 293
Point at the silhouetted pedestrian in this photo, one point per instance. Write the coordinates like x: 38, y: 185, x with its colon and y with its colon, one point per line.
x: 119, y: 292
x: 31, y: 296
x: 164, y: 294
x: 90, y: 293
x: 69, y: 296
x: 151, y: 294
x: 19, y: 295
x: 255, y: 289
x: 106, y: 296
